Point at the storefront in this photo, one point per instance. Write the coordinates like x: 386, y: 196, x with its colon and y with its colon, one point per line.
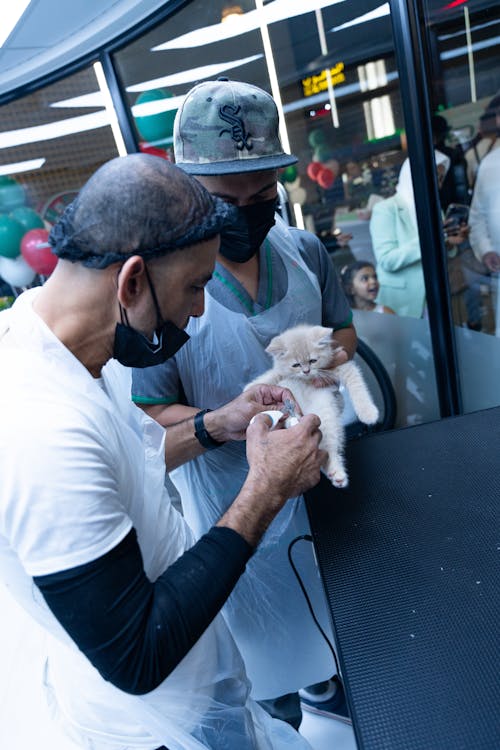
x: 359, y: 84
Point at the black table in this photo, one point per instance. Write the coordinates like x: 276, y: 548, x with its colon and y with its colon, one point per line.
x: 409, y: 557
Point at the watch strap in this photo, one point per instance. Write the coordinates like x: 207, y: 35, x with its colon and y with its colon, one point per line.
x: 201, y: 433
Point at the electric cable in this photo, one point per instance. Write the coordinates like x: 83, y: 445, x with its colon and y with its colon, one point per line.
x: 308, y: 538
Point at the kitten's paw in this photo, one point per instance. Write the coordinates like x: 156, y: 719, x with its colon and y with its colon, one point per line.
x: 338, y: 478
x: 369, y: 415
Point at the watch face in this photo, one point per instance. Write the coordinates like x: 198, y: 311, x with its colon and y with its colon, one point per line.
x: 54, y: 208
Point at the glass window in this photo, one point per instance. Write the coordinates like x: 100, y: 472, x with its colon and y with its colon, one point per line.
x: 465, y: 90
x: 51, y: 142
x: 331, y: 68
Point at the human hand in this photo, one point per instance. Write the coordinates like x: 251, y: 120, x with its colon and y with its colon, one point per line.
x: 284, y: 463
x: 230, y: 422
x: 343, y: 239
x: 455, y: 234
x: 492, y: 261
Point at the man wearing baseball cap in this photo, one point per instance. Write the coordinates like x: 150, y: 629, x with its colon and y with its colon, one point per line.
x: 268, y: 277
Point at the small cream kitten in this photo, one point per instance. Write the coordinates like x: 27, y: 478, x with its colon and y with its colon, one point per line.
x: 301, y: 355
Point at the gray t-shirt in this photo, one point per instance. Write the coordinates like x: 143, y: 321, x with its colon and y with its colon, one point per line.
x: 161, y: 384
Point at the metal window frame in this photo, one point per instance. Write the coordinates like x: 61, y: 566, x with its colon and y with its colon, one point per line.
x: 407, y: 25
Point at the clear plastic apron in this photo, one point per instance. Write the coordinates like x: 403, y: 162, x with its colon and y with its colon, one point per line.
x: 204, y: 702
x: 267, y: 612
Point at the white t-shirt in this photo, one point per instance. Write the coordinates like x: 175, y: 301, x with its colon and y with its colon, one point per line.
x: 79, y: 466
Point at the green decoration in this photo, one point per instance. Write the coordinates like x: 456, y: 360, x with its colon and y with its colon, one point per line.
x: 316, y: 137
x: 27, y: 217
x: 11, y: 194
x: 322, y: 153
x: 11, y: 234
x: 158, y: 127
x: 6, y: 302
x: 289, y: 174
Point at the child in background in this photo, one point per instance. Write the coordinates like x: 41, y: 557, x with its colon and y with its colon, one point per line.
x: 361, y: 286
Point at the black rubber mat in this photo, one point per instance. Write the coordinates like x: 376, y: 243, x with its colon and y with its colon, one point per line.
x: 409, y: 555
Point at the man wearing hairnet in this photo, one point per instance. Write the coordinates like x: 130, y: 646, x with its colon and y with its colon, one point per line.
x: 268, y: 277
x: 90, y: 545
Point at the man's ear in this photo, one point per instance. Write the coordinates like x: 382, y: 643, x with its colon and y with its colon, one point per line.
x: 131, y: 280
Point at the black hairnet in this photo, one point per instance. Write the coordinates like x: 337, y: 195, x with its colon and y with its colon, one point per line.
x: 136, y: 205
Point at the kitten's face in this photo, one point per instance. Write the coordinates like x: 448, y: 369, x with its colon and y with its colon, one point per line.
x: 302, y: 352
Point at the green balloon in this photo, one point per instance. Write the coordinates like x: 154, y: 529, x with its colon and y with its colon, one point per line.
x: 289, y: 174
x: 11, y: 234
x: 156, y: 127
x: 27, y: 217
x: 316, y: 137
x: 323, y: 152
x: 11, y: 195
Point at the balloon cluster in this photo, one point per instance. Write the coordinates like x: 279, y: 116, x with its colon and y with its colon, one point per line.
x: 320, y: 173
x: 320, y: 168
x: 24, y: 248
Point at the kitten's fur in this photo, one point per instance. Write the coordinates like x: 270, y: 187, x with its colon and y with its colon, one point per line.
x: 302, y: 354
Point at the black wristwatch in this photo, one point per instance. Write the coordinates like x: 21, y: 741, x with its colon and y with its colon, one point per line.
x: 201, y: 433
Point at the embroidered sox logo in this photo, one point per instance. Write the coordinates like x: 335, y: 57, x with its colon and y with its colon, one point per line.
x: 229, y: 114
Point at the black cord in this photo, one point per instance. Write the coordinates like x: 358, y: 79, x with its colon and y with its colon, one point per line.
x: 308, y: 538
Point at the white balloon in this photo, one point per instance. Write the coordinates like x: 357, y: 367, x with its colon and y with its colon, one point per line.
x: 298, y: 196
x: 15, y: 271
x: 291, y: 186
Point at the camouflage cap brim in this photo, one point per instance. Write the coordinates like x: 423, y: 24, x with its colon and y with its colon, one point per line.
x: 258, y: 164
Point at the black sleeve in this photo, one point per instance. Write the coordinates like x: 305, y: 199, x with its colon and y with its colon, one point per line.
x: 136, y: 632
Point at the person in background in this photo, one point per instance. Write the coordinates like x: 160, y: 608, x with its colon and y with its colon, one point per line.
x: 357, y: 185
x: 268, y: 277
x: 396, y: 244
x: 454, y: 187
x: 361, y: 287
x: 484, y: 217
x: 90, y: 545
x: 485, y: 141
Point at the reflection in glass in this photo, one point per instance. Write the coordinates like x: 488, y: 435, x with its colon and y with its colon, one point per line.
x: 465, y: 87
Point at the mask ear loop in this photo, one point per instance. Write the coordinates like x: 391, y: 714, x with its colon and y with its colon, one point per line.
x: 123, y: 312
x: 158, y: 334
x: 159, y: 319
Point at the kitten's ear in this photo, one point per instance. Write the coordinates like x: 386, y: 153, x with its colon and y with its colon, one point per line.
x: 275, y: 347
x: 326, y: 339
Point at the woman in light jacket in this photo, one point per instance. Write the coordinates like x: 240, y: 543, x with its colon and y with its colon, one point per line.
x: 396, y: 245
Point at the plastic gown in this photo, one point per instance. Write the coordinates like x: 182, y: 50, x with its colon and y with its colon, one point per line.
x: 267, y: 613
x: 204, y: 702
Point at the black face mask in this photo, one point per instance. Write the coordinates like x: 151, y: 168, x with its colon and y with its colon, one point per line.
x: 242, y: 240
x: 132, y: 349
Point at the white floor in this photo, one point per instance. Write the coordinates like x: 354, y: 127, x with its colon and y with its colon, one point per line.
x: 327, y: 734
x: 19, y: 731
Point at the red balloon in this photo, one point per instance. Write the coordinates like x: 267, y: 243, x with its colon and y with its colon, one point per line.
x: 153, y: 150
x: 37, y: 252
x: 313, y: 169
x: 326, y: 178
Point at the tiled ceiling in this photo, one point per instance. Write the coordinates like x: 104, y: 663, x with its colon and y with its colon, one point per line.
x: 53, y: 33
